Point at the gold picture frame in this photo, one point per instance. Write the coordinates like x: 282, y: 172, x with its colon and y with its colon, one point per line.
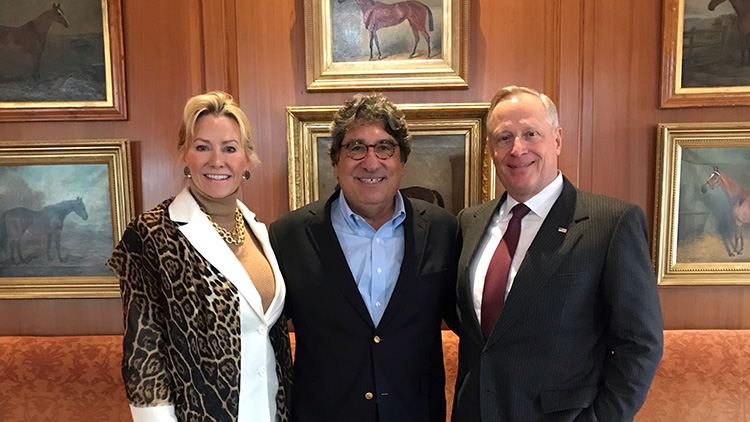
x: 700, y: 198
x: 336, y: 45
x: 41, y: 180
x: 702, y: 60
x: 449, y: 153
x: 80, y: 74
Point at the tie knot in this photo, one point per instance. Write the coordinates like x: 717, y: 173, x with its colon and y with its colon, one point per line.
x: 519, y: 210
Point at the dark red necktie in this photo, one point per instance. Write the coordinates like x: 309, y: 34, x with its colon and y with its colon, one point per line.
x: 493, y: 297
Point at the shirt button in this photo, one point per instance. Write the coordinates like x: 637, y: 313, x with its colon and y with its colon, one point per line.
x: 262, y: 372
x: 368, y: 395
x: 377, y: 239
x: 380, y: 270
x: 377, y: 304
x: 262, y: 330
x: 376, y: 339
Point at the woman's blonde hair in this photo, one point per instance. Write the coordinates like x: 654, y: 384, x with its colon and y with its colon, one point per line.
x: 215, y: 103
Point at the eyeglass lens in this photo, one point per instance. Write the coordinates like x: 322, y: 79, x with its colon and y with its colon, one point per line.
x: 358, y: 150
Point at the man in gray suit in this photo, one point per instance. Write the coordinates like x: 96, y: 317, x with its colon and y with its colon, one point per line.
x: 557, y: 300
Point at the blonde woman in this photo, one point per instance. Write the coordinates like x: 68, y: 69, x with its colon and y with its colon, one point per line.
x: 205, y: 338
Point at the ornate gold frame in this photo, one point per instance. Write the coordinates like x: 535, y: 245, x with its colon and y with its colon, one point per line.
x: 674, y: 139
x: 306, y: 124
x: 115, y: 153
x: 115, y: 105
x: 451, y: 71
x: 672, y: 93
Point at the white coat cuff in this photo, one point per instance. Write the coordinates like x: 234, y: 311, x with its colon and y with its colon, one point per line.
x: 153, y: 413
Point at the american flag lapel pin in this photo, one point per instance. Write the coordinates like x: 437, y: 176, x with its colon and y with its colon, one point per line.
x: 562, y: 229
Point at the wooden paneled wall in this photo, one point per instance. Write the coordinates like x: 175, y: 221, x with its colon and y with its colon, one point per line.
x: 600, y: 61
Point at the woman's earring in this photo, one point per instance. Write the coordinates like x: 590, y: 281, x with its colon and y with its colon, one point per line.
x: 246, y: 174
x: 186, y: 170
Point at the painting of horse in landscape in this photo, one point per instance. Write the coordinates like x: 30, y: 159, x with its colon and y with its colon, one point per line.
x: 47, y: 222
x: 715, y: 43
x: 53, y: 52
x: 357, y: 33
x: 739, y: 201
x: 377, y: 15
x: 56, y: 220
x: 30, y: 40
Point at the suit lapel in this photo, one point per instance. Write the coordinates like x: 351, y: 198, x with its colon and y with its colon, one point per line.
x: 473, y: 231
x: 326, y: 244
x: 416, y: 230
x: 547, y: 251
x: 207, y: 241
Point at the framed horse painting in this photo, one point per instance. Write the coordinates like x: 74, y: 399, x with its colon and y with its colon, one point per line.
x: 706, y: 53
x: 63, y: 207
x: 364, y: 44
x: 703, y: 204
x: 61, y: 61
x: 450, y: 164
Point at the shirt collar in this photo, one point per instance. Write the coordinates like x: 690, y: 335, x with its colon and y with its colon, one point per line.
x: 354, y: 220
x: 540, y: 204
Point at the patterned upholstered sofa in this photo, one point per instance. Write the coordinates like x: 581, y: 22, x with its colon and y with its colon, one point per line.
x: 704, y: 376
x: 62, y: 379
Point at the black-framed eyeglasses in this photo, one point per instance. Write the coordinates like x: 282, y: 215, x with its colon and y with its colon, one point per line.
x: 358, y: 150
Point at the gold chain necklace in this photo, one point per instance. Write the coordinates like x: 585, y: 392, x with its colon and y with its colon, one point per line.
x: 237, y: 236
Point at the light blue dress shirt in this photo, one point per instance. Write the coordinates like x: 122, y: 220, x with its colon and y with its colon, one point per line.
x: 374, y: 256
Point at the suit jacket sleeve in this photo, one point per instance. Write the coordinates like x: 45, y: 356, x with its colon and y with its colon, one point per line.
x: 288, y: 312
x: 450, y: 313
x: 635, y: 335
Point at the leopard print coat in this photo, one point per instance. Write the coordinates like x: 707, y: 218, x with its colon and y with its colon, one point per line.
x: 182, y: 325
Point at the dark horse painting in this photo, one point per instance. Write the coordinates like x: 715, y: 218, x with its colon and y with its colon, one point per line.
x: 30, y: 39
x: 379, y: 15
x: 17, y: 222
x: 426, y: 194
x: 742, y: 7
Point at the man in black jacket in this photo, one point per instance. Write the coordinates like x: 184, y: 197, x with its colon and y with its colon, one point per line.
x: 369, y: 276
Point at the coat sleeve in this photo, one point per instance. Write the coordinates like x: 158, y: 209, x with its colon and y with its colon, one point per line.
x: 450, y: 312
x: 147, y: 381
x: 635, y: 333
x: 273, y: 237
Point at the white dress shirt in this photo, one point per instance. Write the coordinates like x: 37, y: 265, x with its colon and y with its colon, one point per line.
x: 374, y: 256
x: 540, y: 205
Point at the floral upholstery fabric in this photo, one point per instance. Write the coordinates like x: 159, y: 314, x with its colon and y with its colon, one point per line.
x: 62, y: 379
x: 703, y: 376
x: 78, y: 379
x: 450, y: 357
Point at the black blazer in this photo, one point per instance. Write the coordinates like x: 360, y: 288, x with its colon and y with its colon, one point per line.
x: 580, y: 334
x: 340, y: 355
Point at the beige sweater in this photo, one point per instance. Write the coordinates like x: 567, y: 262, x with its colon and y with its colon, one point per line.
x: 250, y: 253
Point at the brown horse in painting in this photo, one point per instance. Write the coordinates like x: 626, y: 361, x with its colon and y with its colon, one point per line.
x: 379, y: 15
x: 739, y: 200
x: 742, y: 8
x: 16, y: 222
x: 31, y: 38
x: 426, y: 194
